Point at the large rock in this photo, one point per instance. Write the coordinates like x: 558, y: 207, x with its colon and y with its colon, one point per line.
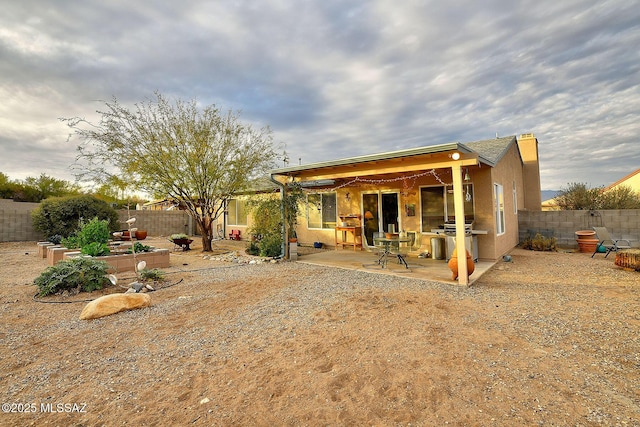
x: 114, y: 303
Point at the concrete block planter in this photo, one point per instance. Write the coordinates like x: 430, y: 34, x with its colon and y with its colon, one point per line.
x: 157, y: 258
x: 56, y: 252
x: 42, y: 249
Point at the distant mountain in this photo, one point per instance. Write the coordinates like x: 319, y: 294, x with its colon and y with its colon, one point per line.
x: 549, y: 194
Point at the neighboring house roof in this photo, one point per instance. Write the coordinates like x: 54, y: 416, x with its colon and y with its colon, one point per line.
x: 489, y: 152
x: 627, y: 180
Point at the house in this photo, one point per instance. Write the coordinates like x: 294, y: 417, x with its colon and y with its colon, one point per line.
x: 422, y: 190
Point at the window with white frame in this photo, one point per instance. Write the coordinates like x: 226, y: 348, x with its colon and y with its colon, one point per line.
x: 236, y: 212
x: 321, y: 210
x: 498, y: 194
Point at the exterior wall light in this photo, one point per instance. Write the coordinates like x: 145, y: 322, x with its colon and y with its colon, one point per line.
x: 455, y: 156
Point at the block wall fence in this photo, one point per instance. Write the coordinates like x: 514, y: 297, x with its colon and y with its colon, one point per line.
x: 622, y: 224
x: 16, y: 224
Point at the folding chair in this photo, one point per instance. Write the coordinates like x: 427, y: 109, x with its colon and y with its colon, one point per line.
x: 605, y: 241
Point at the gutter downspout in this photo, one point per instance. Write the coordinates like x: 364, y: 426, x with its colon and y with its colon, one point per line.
x: 283, y: 248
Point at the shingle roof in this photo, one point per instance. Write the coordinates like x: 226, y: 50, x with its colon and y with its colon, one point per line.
x: 492, y: 150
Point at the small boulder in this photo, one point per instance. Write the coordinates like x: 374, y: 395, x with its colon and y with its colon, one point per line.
x: 114, y: 303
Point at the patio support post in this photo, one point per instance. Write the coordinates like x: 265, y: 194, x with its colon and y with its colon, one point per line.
x: 458, y: 203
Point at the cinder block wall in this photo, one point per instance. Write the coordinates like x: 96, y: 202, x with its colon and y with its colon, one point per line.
x: 160, y: 223
x: 622, y: 224
x: 16, y: 224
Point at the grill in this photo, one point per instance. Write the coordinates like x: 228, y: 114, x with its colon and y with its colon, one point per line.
x: 450, y: 228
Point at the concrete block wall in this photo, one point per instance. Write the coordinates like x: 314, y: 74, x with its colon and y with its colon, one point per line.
x: 16, y: 226
x: 622, y: 224
x: 160, y: 223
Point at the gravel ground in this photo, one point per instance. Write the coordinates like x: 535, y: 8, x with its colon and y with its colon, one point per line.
x: 548, y: 339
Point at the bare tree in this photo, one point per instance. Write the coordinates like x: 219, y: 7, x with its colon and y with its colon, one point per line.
x: 199, y: 157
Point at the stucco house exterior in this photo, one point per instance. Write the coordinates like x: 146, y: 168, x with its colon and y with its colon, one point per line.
x: 420, y: 191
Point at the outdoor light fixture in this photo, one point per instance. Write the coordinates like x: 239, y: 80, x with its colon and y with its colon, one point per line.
x: 466, y: 175
x: 455, y: 156
x: 347, y: 196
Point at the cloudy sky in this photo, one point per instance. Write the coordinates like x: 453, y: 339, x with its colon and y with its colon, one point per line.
x: 335, y: 78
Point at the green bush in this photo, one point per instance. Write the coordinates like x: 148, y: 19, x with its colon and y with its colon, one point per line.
x: 253, y: 249
x: 79, y: 274
x: 62, y: 215
x: 95, y: 249
x: 139, y: 247
x: 152, y: 275
x: 271, y: 245
x: 71, y: 242
x: 94, y: 231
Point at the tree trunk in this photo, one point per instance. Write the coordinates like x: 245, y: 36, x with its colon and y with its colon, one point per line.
x: 205, y: 229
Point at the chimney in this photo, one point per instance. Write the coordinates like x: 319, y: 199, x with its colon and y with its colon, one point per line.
x: 528, y: 146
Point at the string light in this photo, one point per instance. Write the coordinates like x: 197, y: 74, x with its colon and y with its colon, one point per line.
x: 358, y: 180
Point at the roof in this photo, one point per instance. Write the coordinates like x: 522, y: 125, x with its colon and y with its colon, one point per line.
x: 489, y: 152
x: 622, y: 180
x: 492, y: 150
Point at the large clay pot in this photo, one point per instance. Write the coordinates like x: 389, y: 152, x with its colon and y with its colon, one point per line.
x: 141, y: 234
x: 453, y: 264
x: 586, y: 241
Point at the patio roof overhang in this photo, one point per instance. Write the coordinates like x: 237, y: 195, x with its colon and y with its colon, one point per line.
x: 396, y: 162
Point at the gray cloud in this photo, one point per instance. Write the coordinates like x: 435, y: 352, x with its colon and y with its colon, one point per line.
x: 336, y: 79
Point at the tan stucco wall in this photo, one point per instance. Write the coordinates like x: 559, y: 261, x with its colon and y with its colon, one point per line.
x: 507, y: 172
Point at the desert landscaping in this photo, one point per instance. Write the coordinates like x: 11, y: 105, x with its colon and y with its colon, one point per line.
x: 550, y: 338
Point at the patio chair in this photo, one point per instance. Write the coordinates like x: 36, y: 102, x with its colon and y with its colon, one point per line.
x: 605, y: 241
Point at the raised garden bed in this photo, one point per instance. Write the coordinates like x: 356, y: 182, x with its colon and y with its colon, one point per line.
x: 157, y: 258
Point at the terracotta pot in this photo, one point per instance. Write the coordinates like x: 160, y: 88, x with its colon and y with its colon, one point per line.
x: 453, y: 264
x: 141, y: 234
x: 585, y: 234
x: 587, y: 245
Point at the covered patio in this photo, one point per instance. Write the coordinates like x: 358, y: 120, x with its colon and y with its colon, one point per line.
x: 419, y: 268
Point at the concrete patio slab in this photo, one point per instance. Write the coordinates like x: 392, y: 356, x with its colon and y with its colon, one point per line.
x: 419, y: 268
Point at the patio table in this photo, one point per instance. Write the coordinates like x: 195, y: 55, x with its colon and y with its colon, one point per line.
x: 391, y: 247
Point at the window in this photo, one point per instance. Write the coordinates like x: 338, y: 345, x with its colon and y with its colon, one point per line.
x: 321, y: 210
x: 498, y: 193
x: 237, y: 212
x: 437, y: 206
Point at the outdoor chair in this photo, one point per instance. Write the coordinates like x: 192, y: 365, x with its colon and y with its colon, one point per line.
x: 605, y: 241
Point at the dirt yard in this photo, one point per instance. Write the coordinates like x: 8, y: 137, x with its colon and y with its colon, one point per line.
x: 547, y: 339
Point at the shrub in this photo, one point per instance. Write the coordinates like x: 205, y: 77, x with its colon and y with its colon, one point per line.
x: 79, y: 274
x: 94, y: 231
x: 139, y: 247
x: 253, y: 249
x: 271, y: 245
x: 151, y: 275
x: 62, y: 215
x: 95, y: 249
x: 71, y: 242
x: 56, y: 239
x: 540, y: 243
